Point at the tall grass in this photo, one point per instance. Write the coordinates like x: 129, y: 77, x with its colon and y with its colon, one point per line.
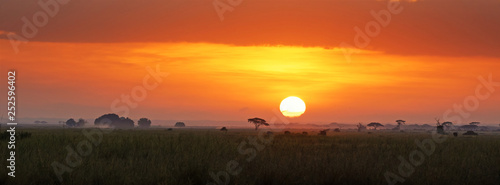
x: 187, y: 156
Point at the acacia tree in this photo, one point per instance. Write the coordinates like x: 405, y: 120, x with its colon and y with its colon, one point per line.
x: 258, y: 122
x: 400, y: 122
x: 375, y: 125
x: 144, y: 122
x: 71, y: 122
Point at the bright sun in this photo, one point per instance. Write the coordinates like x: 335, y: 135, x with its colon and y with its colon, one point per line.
x: 292, y: 106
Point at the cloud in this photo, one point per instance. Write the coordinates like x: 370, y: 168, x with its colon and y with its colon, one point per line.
x: 437, y: 27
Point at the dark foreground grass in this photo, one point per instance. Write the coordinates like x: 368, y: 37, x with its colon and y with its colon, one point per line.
x: 188, y: 156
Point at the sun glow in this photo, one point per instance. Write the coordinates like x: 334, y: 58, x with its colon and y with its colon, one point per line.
x: 292, y: 107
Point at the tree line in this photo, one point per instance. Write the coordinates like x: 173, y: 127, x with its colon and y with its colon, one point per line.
x: 114, y: 120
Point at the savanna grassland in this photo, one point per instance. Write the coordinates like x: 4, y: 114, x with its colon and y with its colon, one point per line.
x: 188, y: 156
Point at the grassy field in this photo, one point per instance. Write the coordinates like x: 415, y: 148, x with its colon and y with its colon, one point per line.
x: 187, y: 156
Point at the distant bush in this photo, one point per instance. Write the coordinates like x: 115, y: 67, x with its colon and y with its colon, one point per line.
x: 81, y: 122
x: 114, y: 120
x: 107, y: 119
x: 124, y: 122
x: 470, y: 133
x: 180, y: 124
x: 72, y: 123
x: 40, y: 122
x: 323, y: 132
x: 144, y: 122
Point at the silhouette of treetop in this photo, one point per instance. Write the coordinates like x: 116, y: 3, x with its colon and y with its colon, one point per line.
x: 180, y: 124
x: 375, y: 125
x: 258, y: 122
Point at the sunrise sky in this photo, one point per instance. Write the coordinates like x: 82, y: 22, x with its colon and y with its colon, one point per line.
x: 426, y: 60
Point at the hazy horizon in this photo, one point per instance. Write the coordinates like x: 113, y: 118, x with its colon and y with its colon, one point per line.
x: 234, y: 123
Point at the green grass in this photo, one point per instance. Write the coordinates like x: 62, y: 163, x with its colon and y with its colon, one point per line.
x: 186, y: 156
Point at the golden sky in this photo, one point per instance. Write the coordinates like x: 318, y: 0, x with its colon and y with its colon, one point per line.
x: 428, y: 59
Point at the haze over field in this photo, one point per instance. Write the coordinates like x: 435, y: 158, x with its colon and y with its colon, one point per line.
x: 425, y: 62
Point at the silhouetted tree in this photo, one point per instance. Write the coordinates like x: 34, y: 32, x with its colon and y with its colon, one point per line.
x: 71, y: 122
x: 124, y: 123
x: 37, y: 122
x: 400, y: 122
x: 287, y: 132
x: 107, y: 119
x: 258, y: 122
x: 43, y: 122
x: 470, y: 133
x: 361, y: 127
x: 114, y: 120
x: 144, y: 122
x: 224, y: 129
x: 304, y: 133
x: 474, y: 123
x: 81, y: 122
x: 180, y: 124
x: 375, y: 125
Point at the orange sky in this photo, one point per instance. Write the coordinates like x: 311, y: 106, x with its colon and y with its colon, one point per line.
x: 416, y: 69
